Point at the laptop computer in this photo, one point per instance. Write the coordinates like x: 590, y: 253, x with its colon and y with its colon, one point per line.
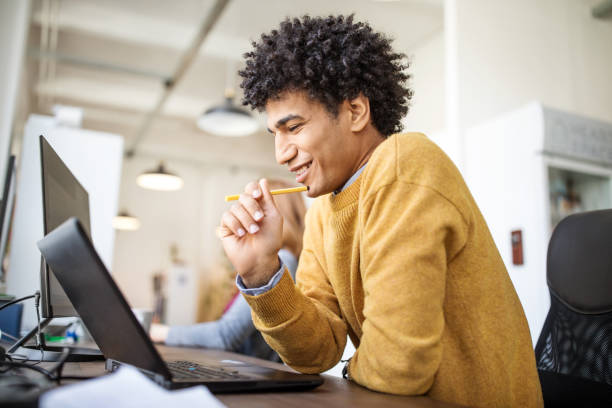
x: 106, y: 313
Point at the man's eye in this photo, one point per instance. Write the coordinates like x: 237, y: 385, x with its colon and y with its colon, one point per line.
x: 294, y: 127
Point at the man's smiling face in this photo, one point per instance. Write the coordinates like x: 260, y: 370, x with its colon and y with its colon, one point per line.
x: 317, y: 147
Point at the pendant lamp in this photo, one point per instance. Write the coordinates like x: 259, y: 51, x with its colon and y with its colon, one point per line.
x: 125, y: 222
x: 228, y: 119
x: 160, y: 179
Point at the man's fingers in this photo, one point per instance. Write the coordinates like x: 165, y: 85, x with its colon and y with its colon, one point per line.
x: 243, y: 216
x: 251, y: 206
x: 252, y: 189
x: 229, y: 221
x: 223, y: 232
x: 267, y: 199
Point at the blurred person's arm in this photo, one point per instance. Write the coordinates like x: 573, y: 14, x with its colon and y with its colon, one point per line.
x: 227, y: 333
x: 159, y: 332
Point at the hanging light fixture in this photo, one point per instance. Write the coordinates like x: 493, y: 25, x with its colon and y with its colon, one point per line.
x: 160, y: 179
x: 228, y: 119
x: 126, y: 222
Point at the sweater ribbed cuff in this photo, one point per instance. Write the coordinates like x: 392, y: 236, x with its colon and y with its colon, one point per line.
x: 278, y: 304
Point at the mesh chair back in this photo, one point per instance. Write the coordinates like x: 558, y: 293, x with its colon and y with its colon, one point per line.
x: 576, y: 344
x: 577, y: 335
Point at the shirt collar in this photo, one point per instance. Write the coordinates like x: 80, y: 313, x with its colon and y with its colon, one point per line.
x: 351, y: 180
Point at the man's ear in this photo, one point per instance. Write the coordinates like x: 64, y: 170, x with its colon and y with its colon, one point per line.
x: 359, y: 109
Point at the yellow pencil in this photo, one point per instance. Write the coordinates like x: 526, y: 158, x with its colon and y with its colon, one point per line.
x: 273, y: 192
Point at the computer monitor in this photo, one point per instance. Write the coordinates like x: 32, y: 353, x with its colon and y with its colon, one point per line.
x: 6, y: 212
x: 63, y: 197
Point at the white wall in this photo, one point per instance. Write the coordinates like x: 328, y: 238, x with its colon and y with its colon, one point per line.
x: 507, y: 176
x: 14, y: 20
x: 500, y: 56
x: 95, y: 160
x: 507, y: 169
x: 186, y: 218
x: 166, y: 218
x: 511, y: 52
x: 426, y: 113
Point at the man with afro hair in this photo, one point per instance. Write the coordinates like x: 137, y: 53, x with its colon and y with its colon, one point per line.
x: 396, y: 253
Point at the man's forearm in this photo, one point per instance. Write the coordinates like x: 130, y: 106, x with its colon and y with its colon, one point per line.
x: 307, y: 337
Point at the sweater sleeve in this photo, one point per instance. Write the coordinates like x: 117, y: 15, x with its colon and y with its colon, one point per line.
x: 410, y: 234
x: 232, y: 329
x: 302, y: 323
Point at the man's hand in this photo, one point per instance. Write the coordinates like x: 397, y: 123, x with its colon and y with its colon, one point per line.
x: 251, y: 233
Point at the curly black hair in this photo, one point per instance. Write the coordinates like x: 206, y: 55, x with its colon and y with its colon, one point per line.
x: 333, y: 59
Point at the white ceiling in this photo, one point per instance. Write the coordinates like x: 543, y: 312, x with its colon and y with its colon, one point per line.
x: 148, y: 37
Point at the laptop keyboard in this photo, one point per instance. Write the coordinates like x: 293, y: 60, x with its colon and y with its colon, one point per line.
x: 191, y: 370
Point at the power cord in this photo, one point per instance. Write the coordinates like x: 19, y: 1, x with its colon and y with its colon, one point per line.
x: 19, y: 389
x: 12, y: 302
x: 10, y: 336
x: 53, y: 374
x: 15, y: 386
x: 39, y: 344
x: 12, y: 380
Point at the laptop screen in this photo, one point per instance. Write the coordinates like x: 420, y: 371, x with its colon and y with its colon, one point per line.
x: 97, y: 299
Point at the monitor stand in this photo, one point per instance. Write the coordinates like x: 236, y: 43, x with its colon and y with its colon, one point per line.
x: 51, y: 353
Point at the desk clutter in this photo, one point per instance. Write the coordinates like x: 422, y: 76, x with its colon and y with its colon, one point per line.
x: 21, y: 386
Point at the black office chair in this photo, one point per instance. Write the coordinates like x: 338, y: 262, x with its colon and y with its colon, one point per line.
x: 574, y: 350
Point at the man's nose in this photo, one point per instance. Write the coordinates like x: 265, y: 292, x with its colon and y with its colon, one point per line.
x: 284, y: 150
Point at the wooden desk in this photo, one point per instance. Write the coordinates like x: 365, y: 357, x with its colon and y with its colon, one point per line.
x: 335, y: 392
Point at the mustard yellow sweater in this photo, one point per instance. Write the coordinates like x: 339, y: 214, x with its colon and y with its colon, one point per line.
x: 403, y: 261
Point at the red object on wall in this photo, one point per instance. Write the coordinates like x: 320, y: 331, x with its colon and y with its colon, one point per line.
x: 517, y: 247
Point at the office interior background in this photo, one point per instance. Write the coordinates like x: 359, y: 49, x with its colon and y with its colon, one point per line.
x: 518, y: 94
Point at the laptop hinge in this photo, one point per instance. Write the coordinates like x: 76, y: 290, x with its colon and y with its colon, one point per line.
x: 113, y: 365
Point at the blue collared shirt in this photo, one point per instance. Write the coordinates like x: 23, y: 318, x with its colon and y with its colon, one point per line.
x: 278, y: 275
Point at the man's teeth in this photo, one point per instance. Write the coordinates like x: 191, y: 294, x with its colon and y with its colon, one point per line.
x: 301, y: 170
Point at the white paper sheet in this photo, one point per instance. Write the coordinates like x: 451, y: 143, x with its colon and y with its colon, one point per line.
x: 126, y: 388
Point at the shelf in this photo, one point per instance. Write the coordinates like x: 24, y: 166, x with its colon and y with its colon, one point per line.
x: 571, y: 192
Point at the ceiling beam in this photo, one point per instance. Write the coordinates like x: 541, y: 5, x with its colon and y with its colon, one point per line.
x: 37, y: 54
x: 184, y: 63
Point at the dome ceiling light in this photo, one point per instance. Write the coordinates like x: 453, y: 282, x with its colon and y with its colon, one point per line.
x: 160, y: 179
x: 228, y: 119
x: 126, y: 222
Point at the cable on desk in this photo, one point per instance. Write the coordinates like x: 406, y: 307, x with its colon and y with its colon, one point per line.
x: 60, y: 364
x: 77, y: 377
x: 36, y: 297
x: 14, y: 364
x: 18, y: 389
x: 10, y: 336
x: 53, y: 374
x: 12, y: 302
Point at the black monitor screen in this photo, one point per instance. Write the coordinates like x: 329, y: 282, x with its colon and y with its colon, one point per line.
x: 63, y: 197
